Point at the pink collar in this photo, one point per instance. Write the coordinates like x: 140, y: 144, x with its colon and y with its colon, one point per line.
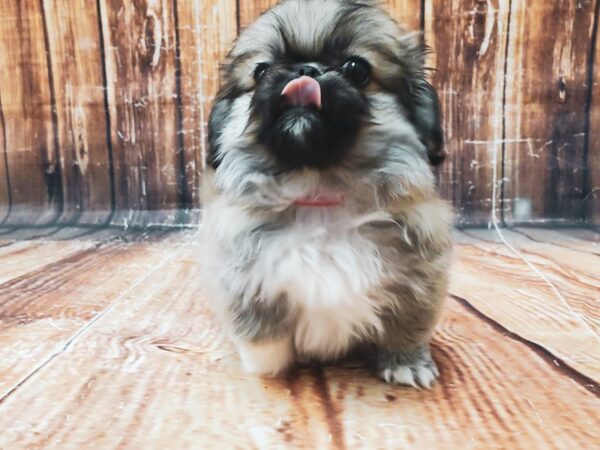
x: 320, y: 201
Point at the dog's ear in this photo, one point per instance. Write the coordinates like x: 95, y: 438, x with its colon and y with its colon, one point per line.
x: 427, y: 120
x: 420, y: 97
x: 216, y: 124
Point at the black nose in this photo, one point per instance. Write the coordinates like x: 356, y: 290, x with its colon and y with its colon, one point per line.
x: 309, y: 71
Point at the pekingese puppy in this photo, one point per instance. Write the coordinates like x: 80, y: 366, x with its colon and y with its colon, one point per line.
x: 323, y: 231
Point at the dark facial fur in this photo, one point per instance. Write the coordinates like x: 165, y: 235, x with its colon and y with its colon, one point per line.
x: 283, y: 42
x: 299, y: 136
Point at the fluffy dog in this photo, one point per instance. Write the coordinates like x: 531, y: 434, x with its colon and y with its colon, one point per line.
x: 323, y: 231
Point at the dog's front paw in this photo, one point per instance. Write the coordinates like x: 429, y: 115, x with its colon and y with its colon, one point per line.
x: 413, y: 369
x: 268, y: 358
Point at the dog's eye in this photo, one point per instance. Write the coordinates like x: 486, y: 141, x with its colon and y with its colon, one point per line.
x: 261, y: 71
x: 358, y: 71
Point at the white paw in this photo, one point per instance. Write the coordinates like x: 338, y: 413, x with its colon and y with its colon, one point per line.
x: 269, y: 358
x: 419, y: 374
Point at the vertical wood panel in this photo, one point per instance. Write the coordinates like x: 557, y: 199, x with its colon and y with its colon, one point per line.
x: 5, y: 201
x: 406, y: 12
x: 546, y: 94
x: 468, y: 38
x: 592, y: 199
x: 206, y: 32
x: 141, y: 77
x: 250, y: 10
x: 74, y: 43
x: 26, y: 109
x: 159, y: 104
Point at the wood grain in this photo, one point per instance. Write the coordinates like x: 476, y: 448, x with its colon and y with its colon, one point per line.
x: 501, y: 285
x: 513, y: 77
x: 45, y: 307
x: 139, y: 38
x: 406, y: 12
x: 5, y: 200
x: 28, y: 256
x: 492, y: 394
x: 546, y: 93
x: 589, y: 235
x: 561, y: 249
x: 469, y: 40
x: 207, y: 30
x: 249, y: 10
x: 28, y: 135
x: 592, y: 187
x: 566, y: 238
x: 75, y: 53
x: 62, y: 233
x: 155, y: 371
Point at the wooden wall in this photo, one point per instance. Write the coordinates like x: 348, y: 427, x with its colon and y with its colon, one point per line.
x: 103, y: 105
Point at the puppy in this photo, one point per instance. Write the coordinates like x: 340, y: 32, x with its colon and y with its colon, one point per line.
x: 322, y: 230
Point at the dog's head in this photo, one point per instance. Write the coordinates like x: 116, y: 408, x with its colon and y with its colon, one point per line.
x: 325, y: 86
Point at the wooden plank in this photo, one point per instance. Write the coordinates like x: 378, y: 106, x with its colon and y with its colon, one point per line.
x: 592, y: 188
x: 75, y: 54
x: 28, y: 135
x: 107, y: 389
x: 43, y: 309
x: 140, y: 45
x: 590, y: 235
x: 28, y: 250
x: 28, y: 256
x: 406, y: 12
x: 546, y: 94
x: 573, y: 273
x: 493, y: 393
x: 469, y: 40
x: 250, y: 10
x: 69, y: 233
x: 206, y: 33
x: 569, y: 238
x: 503, y: 287
x: 5, y: 200
x: 568, y: 262
x: 192, y: 358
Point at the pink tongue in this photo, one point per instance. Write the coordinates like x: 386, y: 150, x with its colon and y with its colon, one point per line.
x: 303, y: 91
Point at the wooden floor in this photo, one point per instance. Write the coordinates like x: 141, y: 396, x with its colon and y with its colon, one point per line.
x: 106, y: 341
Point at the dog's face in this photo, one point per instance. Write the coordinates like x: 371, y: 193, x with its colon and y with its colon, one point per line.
x: 325, y: 86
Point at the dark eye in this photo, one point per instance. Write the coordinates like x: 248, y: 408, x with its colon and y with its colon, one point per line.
x: 358, y: 71
x: 261, y: 71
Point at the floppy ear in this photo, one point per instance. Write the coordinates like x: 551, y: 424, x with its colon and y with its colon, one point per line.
x: 216, y: 124
x: 420, y: 98
x: 427, y: 120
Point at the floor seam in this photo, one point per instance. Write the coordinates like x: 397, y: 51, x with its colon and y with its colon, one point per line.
x: 555, y: 362
x: 538, y: 241
x: 88, y: 325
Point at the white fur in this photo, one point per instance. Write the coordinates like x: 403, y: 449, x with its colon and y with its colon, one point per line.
x: 327, y: 269
x: 321, y: 262
x: 269, y: 358
x: 416, y: 375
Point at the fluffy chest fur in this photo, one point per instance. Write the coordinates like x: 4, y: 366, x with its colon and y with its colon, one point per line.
x: 326, y: 269
x: 320, y: 264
